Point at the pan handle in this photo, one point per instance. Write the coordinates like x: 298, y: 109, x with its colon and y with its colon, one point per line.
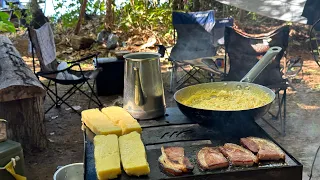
x: 261, y: 64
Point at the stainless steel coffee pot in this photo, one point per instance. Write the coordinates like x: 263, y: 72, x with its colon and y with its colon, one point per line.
x: 143, y: 95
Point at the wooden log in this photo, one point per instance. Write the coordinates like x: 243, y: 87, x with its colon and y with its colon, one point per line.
x: 25, y: 122
x: 78, y: 42
x: 17, y: 81
x: 21, y: 99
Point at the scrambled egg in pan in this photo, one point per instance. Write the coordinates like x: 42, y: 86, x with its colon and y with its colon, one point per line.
x: 227, y: 100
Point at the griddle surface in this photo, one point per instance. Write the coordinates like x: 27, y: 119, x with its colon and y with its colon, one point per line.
x: 183, y: 131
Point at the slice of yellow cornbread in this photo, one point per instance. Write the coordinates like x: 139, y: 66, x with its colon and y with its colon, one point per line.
x: 128, y: 127
x: 133, y: 154
x: 107, y: 156
x: 115, y: 113
x: 122, y: 118
x: 98, y: 123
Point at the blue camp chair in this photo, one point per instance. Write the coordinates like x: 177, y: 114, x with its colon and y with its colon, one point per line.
x: 196, y: 45
x: 195, y: 40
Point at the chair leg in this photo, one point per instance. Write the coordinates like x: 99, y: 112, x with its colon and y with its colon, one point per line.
x: 56, y: 89
x: 89, y: 104
x: 50, y: 96
x: 70, y: 92
x: 49, y: 83
x: 282, y: 117
x: 173, y: 77
x: 211, y: 77
x: 66, y: 96
x: 276, y: 117
x: 203, y: 74
x: 182, y: 77
x: 98, y: 102
x: 63, y: 101
x: 279, y: 115
x: 191, y: 75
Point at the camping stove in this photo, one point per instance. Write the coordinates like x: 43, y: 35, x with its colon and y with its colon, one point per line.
x: 175, y: 129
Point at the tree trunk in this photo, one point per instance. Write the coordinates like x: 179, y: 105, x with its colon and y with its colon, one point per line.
x: 196, y: 5
x: 177, y: 5
x: 109, y: 13
x: 242, y: 14
x: 81, y: 15
x: 34, y: 6
x: 21, y: 99
x: 38, y: 18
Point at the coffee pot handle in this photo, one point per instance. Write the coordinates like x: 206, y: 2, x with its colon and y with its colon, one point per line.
x: 138, y: 93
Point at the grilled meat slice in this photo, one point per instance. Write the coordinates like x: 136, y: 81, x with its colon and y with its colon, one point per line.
x: 237, y: 155
x: 211, y: 158
x: 174, y: 162
x: 265, y: 149
x: 250, y: 144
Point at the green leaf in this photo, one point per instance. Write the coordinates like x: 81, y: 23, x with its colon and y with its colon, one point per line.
x: 7, y: 27
x: 4, y: 16
x: 18, y: 14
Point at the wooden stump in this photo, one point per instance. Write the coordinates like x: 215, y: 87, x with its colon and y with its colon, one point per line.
x: 21, y: 99
x: 79, y: 42
x: 25, y: 122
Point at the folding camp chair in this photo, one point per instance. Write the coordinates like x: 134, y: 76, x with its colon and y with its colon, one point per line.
x: 195, y: 41
x: 42, y: 43
x: 312, y: 14
x: 291, y: 68
x: 314, y: 41
x: 244, y: 50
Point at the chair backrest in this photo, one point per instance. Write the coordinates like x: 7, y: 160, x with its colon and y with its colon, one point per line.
x: 195, y: 35
x: 312, y: 13
x: 43, y: 48
x: 244, y: 50
x: 219, y: 29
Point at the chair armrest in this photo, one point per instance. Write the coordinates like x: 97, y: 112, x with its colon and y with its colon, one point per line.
x: 56, y: 72
x: 85, y: 58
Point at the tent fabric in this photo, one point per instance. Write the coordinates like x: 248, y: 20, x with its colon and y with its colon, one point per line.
x: 286, y: 10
